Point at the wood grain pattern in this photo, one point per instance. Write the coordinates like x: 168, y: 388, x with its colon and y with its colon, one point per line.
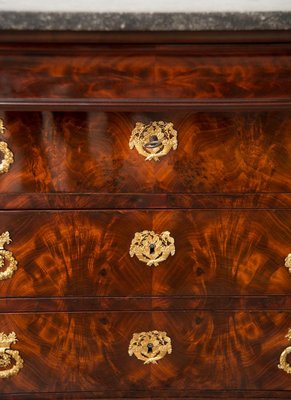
x: 89, y: 152
x: 18, y: 38
x: 86, y: 253
x: 36, y: 305
x: 145, y: 71
x: 150, y: 394
x: 211, y: 351
x: 146, y: 105
x: 77, y: 297
x: 75, y: 201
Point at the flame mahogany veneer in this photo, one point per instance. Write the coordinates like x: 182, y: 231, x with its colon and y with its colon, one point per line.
x: 88, y: 351
x: 76, y: 194
x: 86, y: 253
x: 88, y: 152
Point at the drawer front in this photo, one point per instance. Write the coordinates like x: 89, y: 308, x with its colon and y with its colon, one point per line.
x: 89, y: 152
x: 97, y: 253
x: 210, y: 351
x: 76, y: 71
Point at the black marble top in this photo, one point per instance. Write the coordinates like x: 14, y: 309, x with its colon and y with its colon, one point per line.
x: 80, y: 21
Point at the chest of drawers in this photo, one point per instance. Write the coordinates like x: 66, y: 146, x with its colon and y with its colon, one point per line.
x: 145, y: 216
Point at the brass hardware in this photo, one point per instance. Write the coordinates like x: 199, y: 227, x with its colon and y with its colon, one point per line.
x: 152, y: 248
x: 150, y: 347
x: 8, y: 256
x: 7, y: 356
x: 2, y: 127
x: 284, y: 365
x: 288, y: 262
x: 153, y: 140
x: 7, y: 153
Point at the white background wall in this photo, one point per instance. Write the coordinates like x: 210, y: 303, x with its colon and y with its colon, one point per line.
x: 146, y: 5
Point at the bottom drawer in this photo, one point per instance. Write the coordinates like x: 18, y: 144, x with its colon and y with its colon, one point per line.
x: 88, y: 352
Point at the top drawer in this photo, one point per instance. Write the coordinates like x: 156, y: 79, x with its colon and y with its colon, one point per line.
x: 89, y: 152
x: 144, y: 71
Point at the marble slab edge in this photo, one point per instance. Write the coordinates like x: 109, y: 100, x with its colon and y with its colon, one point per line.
x: 82, y: 21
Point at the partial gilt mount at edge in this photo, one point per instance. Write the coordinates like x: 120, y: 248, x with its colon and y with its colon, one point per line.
x: 8, y: 264
x: 288, y: 262
x: 284, y: 365
x: 7, y: 154
x: 10, y: 360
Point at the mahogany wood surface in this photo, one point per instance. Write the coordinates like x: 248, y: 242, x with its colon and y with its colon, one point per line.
x: 36, y: 305
x: 76, y: 194
x: 145, y: 105
x: 86, y: 253
x: 153, y: 394
x: 88, y: 352
x: 145, y: 71
x: 35, y: 201
x: 146, y: 37
x: 83, y: 152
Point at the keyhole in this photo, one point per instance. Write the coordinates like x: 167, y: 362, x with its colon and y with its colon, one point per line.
x: 153, y: 142
x: 152, y: 248
x: 150, y: 347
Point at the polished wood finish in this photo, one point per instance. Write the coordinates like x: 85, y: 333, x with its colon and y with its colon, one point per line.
x: 86, y: 253
x: 76, y: 195
x: 89, y: 152
x: 211, y: 351
x: 145, y: 105
x: 145, y: 71
x: 34, y: 201
x: 150, y: 394
x: 146, y: 37
x: 145, y: 303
